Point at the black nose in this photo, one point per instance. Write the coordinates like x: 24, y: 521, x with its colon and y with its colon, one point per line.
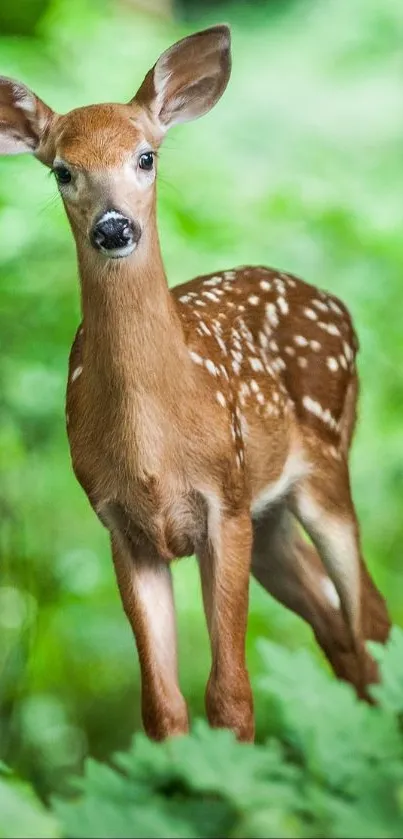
x: 114, y: 232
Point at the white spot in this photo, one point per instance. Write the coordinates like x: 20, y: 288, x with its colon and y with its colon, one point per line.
x: 200, y: 303
x: 254, y: 386
x: 322, y: 413
x: 221, y: 344
x: 204, y: 328
x: 271, y: 314
x: 280, y: 285
x: 260, y: 398
x: 221, y: 398
x: 256, y: 364
x: 253, y: 300
x: 319, y: 304
x: 335, y: 307
x: 315, y: 345
x: 265, y: 285
x: 309, y: 313
x: 283, y: 305
x: 273, y: 346
x: 332, y: 364
x: 195, y: 357
x: 301, y: 361
x: 289, y: 350
x: 76, y: 373
x: 300, y: 340
x: 263, y: 339
x: 348, y: 351
x: 245, y: 330
x: 279, y: 363
x: 330, y: 328
x: 343, y: 361
x: 213, y: 281
x: 211, y: 367
x: 211, y: 296
x: 229, y: 275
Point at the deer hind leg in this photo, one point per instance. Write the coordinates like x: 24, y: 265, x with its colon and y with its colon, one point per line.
x: 291, y: 570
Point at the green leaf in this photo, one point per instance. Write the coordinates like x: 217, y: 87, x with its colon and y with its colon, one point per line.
x: 389, y: 693
x: 21, y: 814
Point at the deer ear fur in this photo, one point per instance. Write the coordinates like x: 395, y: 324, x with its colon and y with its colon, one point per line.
x: 24, y: 118
x: 188, y: 79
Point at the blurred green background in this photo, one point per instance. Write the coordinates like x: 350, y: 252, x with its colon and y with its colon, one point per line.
x: 300, y: 167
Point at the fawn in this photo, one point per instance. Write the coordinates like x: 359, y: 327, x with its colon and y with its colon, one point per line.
x: 213, y: 418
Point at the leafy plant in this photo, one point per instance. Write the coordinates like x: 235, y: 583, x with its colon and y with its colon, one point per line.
x: 333, y: 766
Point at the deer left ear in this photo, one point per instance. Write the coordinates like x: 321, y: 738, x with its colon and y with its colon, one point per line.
x: 24, y: 118
x: 188, y: 79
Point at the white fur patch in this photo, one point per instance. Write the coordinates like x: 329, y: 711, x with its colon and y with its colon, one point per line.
x: 330, y: 592
x: 76, y: 373
x: 110, y: 214
x: 295, y: 468
x: 336, y: 541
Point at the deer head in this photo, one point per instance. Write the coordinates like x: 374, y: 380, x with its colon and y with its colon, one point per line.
x: 104, y: 157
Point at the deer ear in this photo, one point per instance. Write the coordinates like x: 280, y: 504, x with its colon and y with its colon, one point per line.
x: 24, y: 118
x: 189, y: 78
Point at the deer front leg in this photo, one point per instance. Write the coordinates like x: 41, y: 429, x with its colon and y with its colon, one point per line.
x: 224, y: 568
x: 146, y: 590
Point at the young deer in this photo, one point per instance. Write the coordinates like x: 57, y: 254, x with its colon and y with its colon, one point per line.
x: 209, y: 419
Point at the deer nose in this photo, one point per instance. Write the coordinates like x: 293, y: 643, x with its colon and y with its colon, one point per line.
x: 115, y: 234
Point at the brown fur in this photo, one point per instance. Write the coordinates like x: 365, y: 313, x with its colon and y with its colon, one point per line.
x: 201, y: 420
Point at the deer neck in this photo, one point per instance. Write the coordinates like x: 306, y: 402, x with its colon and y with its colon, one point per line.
x: 133, y: 339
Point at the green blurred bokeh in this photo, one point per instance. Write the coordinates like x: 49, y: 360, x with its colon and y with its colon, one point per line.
x: 300, y: 167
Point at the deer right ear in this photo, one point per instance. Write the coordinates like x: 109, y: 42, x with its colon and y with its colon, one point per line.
x: 24, y: 118
x: 188, y: 79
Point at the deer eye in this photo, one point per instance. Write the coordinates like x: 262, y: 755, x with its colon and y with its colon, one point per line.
x: 62, y: 174
x: 146, y: 161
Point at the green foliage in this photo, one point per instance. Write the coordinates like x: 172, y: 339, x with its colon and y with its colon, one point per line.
x: 332, y: 766
x: 21, y: 813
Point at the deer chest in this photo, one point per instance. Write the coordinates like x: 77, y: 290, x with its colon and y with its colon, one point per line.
x: 155, y: 509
